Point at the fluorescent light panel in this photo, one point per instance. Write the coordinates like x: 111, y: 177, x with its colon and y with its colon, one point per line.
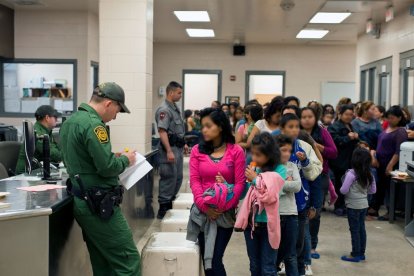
x: 192, y: 16
x: 200, y: 32
x: 329, y: 17
x: 312, y: 34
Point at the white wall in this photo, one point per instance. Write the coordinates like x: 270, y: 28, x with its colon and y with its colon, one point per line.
x: 307, y: 67
x: 58, y: 35
x: 397, y: 36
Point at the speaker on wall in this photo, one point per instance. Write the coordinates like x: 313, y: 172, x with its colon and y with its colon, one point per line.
x: 239, y: 50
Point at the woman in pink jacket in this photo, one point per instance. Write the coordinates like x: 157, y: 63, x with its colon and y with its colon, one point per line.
x: 216, y: 159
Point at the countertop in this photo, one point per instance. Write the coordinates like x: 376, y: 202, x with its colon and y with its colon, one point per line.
x: 30, y: 204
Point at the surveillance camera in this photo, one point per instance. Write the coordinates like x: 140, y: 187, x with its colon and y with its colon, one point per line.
x: 287, y: 5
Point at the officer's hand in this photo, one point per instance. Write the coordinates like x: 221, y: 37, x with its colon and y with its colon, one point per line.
x: 170, y: 156
x: 131, y: 157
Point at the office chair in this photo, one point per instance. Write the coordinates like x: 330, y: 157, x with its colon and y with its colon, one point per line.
x: 9, y: 154
x: 3, y: 172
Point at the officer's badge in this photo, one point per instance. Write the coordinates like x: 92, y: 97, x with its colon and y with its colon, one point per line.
x: 101, y: 134
x: 162, y: 115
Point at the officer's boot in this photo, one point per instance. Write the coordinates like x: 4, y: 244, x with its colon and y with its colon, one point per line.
x: 163, y: 209
x: 170, y: 205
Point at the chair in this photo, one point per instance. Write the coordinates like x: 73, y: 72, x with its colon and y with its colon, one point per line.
x: 3, y: 172
x: 9, y: 154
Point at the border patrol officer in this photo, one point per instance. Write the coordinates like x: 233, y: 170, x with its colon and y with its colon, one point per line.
x: 171, y: 128
x: 93, y: 170
x: 46, y: 120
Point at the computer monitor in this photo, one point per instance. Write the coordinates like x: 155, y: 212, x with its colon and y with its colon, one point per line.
x: 30, y: 138
x: 29, y: 145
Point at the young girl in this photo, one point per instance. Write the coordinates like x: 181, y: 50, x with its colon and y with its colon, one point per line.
x: 288, y: 210
x: 310, y: 168
x: 216, y: 157
x: 358, y: 183
x: 262, y: 227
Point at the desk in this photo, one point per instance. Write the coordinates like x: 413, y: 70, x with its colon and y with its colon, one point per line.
x: 39, y: 236
x: 26, y: 234
x: 408, y: 223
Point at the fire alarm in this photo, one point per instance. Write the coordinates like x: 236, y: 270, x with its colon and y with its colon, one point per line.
x: 232, y: 78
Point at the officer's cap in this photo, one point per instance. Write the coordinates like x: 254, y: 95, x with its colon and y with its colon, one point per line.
x: 44, y: 110
x: 113, y: 91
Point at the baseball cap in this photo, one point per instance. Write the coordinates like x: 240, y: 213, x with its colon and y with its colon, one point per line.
x: 44, y: 110
x: 113, y: 91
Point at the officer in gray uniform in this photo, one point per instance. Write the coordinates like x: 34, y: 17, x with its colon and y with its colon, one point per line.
x: 171, y: 128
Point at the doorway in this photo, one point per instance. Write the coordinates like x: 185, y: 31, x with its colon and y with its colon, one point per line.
x: 264, y: 85
x: 201, y: 88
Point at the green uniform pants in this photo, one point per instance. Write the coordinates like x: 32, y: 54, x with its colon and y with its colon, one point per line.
x: 110, y: 244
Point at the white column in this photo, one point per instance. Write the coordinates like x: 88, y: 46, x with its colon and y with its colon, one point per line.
x: 125, y: 43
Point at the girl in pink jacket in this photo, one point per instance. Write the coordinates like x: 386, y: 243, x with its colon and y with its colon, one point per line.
x: 259, y: 213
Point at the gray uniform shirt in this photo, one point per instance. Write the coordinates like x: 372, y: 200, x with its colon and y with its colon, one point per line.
x: 168, y: 117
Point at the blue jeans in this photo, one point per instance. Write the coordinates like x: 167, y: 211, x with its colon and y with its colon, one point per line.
x: 287, y: 248
x: 222, y: 239
x: 307, y: 246
x: 315, y: 188
x: 300, y: 244
x: 356, y: 221
x: 315, y: 223
x: 262, y: 256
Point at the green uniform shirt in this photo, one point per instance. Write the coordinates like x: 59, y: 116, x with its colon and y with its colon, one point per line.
x: 87, y: 150
x: 55, y: 153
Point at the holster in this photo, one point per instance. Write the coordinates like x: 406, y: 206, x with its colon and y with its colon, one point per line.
x: 100, y: 202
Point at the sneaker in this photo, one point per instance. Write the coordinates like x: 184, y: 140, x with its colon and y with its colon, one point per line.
x: 314, y: 254
x: 351, y: 259
x: 308, y: 270
x: 282, y: 270
x: 362, y: 258
x: 339, y: 212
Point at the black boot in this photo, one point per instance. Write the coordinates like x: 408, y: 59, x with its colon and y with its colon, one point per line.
x: 170, y: 205
x: 163, y: 209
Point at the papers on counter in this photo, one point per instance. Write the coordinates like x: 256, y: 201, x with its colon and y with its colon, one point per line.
x: 41, y: 188
x: 23, y: 177
x: 134, y: 173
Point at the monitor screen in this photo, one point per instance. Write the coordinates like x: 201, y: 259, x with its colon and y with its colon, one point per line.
x: 29, y: 144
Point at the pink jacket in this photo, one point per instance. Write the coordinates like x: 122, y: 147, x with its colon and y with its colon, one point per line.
x: 263, y: 196
x: 203, y: 173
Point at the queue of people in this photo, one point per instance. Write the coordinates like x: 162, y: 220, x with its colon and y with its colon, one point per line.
x: 280, y: 166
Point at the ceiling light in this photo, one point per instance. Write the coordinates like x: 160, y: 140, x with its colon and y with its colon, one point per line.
x: 192, y: 16
x: 329, y: 17
x: 200, y: 32
x: 312, y: 34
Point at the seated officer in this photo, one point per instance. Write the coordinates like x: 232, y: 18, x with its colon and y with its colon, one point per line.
x: 46, y: 119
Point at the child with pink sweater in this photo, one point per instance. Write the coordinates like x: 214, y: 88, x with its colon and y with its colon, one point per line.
x: 259, y: 213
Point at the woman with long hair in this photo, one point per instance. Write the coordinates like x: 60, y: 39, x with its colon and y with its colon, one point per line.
x: 387, y: 154
x: 270, y: 123
x: 217, y: 159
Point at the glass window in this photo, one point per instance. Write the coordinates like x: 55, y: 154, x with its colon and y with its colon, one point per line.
x: 28, y: 85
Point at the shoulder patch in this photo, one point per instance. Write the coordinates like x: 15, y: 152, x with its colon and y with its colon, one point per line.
x: 162, y: 115
x: 101, y: 134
